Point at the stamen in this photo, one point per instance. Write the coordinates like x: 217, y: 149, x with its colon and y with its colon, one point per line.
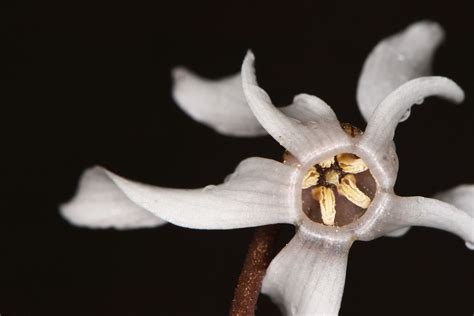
x: 350, y: 163
x: 327, y: 203
x: 349, y: 189
x: 311, y: 178
x: 327, y: 163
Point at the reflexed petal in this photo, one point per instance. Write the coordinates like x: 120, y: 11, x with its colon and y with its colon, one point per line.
x: 320, y: 129
x: 462, y: 197
x: 307, y: 277
x: 396, y: 60
x: 383, y: 122
x: 309, y: 108
x: 98, y: 203
x: 219, y: 104
x: 258, y: 193
x: 419, y: 211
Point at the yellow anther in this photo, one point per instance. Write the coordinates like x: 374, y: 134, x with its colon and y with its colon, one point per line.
x: 327, y: 163
x: 327, y: 204
x: 349, y: 189
x: 350, y: 163
x: 311, y: 178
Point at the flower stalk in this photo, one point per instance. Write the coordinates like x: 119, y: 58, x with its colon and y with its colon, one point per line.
x: 258, y: 258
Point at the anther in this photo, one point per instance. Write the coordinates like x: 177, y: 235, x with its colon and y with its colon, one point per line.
x: 311, y: 178
x: 327, y: 203
x: 350, y: 163
x: 349, y: 189
x: 338, y: 190
x: 327, y: 163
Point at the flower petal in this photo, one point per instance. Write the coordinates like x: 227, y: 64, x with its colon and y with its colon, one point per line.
x: 398, y: 233
x: 462, y: 197
x: 98, y: 203
x: 311, y: 125
x: 419, y: 211
x: 307, y: 277
x: 259, y: 192
x: 219, y: 104
x: 396, y: 60
x: 383, y: 122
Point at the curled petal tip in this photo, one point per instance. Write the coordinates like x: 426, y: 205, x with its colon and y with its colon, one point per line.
x: 285, y: 124
x: 179, y: 73
x: 219, y: 104
x: 99, y: 203
x: 458, y: 92
x: 439, y: 86
x: 383, y: 122
x: 250, y: 55
x: 427, y: 29
x: 395, y: 60
x: 248, y: 70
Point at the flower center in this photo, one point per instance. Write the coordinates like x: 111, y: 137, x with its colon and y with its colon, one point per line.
x: 338, y: 190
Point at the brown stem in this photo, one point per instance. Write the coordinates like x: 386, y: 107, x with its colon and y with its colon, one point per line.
x: 250, y: 279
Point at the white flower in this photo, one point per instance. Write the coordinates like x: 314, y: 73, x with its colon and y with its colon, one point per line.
x: 334, y: 187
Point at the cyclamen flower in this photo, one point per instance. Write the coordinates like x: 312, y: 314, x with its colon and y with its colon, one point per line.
x: 335, y: 185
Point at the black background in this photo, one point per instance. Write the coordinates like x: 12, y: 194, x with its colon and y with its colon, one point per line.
x: 88, y: 83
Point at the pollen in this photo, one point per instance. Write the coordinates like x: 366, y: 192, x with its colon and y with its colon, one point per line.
x: 327, y: 163
x: 311, y: 178
x: 350, y: 163
x: 348, y: 188
x: 338, y: 190
x: 327, y: 201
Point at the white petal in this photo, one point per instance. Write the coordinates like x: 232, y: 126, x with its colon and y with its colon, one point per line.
x: 419, y: 211
x: 219, y: 104
x: 462, y: 197
x: 398, y: 233
x: 312, y: 125
x: 383, y: 122
x: 259, y: 192
x: 309, y: 108
x: 396, y: 60
x: 307, y: 277
x: 98, y: 203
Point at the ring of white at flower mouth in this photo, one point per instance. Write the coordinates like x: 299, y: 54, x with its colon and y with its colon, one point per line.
x: 351, y: 174
x: 337, y: 191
